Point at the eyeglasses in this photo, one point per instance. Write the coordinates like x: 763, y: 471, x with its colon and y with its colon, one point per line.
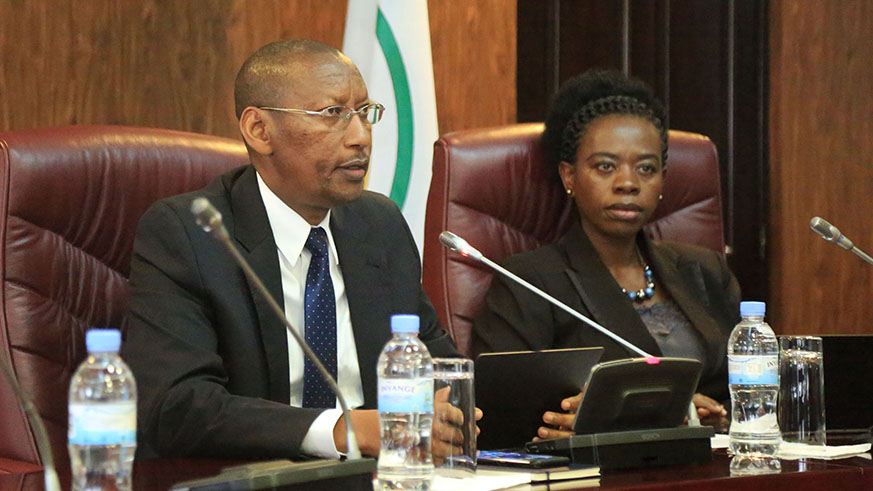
x: 371, y: 113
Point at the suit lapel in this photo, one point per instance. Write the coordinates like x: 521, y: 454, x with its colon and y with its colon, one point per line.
x: 364, y: 266
x: 253, y: 233
x: 684, y: 282
x: 601, y: 294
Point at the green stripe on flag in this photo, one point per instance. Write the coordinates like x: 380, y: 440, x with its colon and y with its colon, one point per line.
x: 403, y: 101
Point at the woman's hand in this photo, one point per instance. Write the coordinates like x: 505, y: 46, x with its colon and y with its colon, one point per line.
x: 560, y: 423
x: 710, y: 412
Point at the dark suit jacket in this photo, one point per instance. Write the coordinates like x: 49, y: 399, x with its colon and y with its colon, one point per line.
x: 697, y: 279
x: 210, y: 358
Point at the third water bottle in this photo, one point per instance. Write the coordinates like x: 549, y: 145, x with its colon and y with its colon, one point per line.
x: 753, y: 372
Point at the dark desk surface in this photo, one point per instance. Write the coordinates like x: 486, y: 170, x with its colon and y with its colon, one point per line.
x: 843, y: 475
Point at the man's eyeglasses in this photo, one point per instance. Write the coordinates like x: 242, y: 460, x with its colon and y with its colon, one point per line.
x: 371, y: 113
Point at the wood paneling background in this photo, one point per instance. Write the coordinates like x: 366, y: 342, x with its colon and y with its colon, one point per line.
x: 474, y: 62
x: 821, y: 154
x: 171, y: 63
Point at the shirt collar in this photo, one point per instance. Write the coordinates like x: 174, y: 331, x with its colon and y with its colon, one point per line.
x: 290, y: 230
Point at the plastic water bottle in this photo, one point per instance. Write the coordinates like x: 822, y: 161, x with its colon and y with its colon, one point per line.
x: 405, y: 372
x: 102, y: 429
x: 753, y: 372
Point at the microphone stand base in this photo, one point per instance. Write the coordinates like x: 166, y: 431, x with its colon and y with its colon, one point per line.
x: 633, y: 449
x: 283, y: 474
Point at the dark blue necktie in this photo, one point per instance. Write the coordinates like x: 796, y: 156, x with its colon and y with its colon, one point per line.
x: 319, y: 309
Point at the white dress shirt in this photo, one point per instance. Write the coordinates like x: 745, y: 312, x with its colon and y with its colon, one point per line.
x: 290, y: 231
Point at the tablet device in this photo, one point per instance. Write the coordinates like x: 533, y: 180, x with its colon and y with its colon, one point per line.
x: 523, y: 460
x: 632, y: 394
x: 515, y: 389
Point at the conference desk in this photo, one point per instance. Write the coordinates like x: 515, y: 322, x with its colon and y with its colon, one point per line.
x: 844, y: 475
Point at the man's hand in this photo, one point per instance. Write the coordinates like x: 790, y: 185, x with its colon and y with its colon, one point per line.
x: 367, y: 431
x: 560, y: 424
x: 710, y: 412
x: 447, y: 436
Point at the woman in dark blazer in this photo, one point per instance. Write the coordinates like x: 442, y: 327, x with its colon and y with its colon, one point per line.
x: 607, y: 143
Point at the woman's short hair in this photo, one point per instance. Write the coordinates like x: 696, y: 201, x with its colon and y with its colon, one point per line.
x: 586, y: 97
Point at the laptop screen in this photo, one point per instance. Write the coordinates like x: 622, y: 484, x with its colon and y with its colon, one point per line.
x: 848, y: 368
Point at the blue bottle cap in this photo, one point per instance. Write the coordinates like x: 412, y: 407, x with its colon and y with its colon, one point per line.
x: 757, y: 309
x: 103, y: 339
x: 404, y: 323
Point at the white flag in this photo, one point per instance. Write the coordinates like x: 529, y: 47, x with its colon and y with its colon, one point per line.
x: 389, y: 41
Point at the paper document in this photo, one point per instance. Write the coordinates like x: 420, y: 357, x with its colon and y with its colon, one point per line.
x: 719, y: 441
x: 793, y: 451
x: 477, y: 483
x: 489, y: 478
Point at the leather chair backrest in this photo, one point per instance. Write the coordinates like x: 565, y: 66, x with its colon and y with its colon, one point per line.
x: 70, y: 200
x: 489, y: 186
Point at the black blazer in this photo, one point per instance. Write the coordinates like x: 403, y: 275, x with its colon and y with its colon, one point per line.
x: 697, y: 279
x: 211, y: 359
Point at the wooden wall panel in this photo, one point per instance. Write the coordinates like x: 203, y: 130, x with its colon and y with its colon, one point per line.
x: 167, y: 64
x: 171, y: 63
x: 821, y: 147
x: 473, y: 44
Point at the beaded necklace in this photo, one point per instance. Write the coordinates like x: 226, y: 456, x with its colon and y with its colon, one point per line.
x: 648, y: 292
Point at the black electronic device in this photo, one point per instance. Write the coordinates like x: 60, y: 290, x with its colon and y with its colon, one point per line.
x: 517, y: 459
x: 515, y: 389
x: 312, y: 475
x: 632, y: 394
x: 630, y: 449
x: 848, y: 392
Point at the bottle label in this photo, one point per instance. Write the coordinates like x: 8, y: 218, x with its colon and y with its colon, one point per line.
x: 406, y: 396
x: 102, y: 423
x: 753, y: 370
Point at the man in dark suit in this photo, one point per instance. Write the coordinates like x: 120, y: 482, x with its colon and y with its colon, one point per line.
x: 217, y: 373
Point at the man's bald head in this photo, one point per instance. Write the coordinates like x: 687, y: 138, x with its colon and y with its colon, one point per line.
x: 266, y: 72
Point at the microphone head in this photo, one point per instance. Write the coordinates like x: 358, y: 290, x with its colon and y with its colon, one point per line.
x: 824, y: 229
x: 206, y: 216
x: 830, y: 233
x: 459, y: 245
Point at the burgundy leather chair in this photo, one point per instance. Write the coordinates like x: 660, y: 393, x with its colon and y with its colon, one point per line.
x: 489, y: 186
x: 70, y: 199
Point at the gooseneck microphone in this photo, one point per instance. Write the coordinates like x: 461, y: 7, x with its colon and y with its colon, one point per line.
x: 459, y: 245
x: 209, y: 219
x: 44, y: 449
x: 832, y: 234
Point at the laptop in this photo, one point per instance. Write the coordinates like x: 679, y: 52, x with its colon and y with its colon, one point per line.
x: 848, y: 368
x: 514, y: 389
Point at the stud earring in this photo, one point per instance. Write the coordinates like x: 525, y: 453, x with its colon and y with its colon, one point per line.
x: 569, y: 192
x: 660, y: 197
